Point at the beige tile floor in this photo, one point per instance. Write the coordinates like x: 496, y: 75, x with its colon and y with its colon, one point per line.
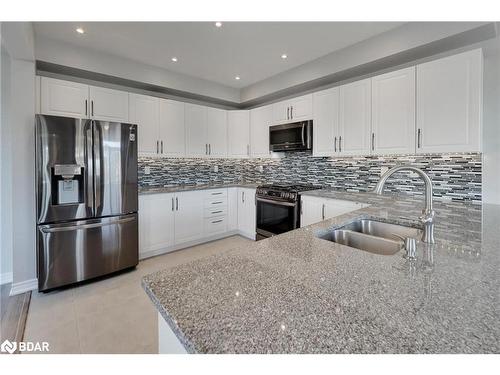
x: 113, y: 315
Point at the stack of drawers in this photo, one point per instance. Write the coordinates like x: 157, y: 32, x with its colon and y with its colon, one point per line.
x: 215, y: 206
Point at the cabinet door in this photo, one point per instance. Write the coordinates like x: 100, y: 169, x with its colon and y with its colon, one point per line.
x: 449, y: 104
x: 326, y: 122
x: 64, y: 98
x: 334, y: 207
x: 246, y: 212
x: 232, y: 208
x: 281, y: 112
x: 238, y: 133
x: 108, y: 104
x: 311, y: 211
x: 172, y: 131
x: 196, y: 130
x: 144, y: 111
x: 301, y: 108
x: 355, y: 118
x: 156, y: 222
x: 217, y: 132
x: 189, y: 216
x: 393, y: 112
x: 260, y: 120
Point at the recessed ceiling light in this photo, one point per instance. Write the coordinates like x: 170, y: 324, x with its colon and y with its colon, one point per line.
x: 284, y: 56
x: 218, y: 24
x: 174, y: 59
x: 237, y: 78
x: 80, y: 30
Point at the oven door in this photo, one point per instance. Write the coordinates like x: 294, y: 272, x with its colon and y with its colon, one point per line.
x: 275, y: 217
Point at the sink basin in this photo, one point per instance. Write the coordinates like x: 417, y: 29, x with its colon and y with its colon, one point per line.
x: 381, y: 229
x: 372, y: 236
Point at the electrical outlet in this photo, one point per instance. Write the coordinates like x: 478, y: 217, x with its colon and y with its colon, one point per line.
x: 216, y: 168
x: 383, y: 170
x: 147, y: 170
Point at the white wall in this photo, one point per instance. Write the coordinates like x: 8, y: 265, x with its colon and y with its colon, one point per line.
x: 5, y: 172
x: 491, y: 122
x: 17, y: 194
x: 61, y: 53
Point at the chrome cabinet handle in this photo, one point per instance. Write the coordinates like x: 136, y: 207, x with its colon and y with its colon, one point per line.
x: 301, y: 205
x: 340, y: 144
x: 206, y: 148
x: 92, y: 107
x: 335, y: 144
x: 176, y: 203
x: 216, y: 212
x: 323, y: 211
x: 216, y: 221
x: 209, y: 149
x: 303, y: 129
x: 288, y: 113
x: 172, y: 203
x: 419, y: 133
x: 157, y: 147
x: 373, y: 141
x: 162, y: 147
x: 218, y: 193
x: 243, y: 196
x: 86, y: 106
x: 291, y: 112
x: 218, y: 202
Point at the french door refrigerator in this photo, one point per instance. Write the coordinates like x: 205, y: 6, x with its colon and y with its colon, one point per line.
x: 86, y: 199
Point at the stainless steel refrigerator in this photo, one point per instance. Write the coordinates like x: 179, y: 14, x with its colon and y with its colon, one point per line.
x: 86, y: 198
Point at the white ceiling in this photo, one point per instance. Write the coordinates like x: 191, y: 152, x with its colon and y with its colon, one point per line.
x: 251, y: 50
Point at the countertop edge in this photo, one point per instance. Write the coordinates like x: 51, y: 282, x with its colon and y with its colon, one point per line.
x: 180, y: 188
x: 168, y: 319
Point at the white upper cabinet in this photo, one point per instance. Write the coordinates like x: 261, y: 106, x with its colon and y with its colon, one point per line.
x: 108, y: 105
x: 260, y: 120
x: 449, y: 103
x: 71, y: 99
x: 393, y: 112
x: 296, y: 109
x: 172, y: 131
x: 196, y: 130
x: 355, y: 118
x: 326, y: 122
x: 238, y: 133
x: 64, y: 98
x: 217, y: 132
x: 144, y: 111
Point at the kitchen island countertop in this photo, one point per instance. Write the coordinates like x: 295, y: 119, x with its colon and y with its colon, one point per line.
x: 297, y: 293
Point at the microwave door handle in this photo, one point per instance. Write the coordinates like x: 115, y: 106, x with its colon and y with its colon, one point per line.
x: 303, y: 135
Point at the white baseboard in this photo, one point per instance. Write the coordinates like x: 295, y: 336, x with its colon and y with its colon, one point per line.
x: 24, y: 286
x: 152, y: 253
x: 5, y: 278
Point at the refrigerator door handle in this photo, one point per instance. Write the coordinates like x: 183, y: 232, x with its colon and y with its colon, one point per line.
x: 90, y: 167
x: 97, y: 167
x: 48, y: 229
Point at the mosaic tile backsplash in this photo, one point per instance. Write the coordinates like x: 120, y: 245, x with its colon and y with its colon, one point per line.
x: 455, y: 176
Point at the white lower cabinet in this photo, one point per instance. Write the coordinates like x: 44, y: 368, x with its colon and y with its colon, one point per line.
x: 189, y: 216
x: 156, y: 222
x: 171, y: 221
x: 316, y: 209
x: 246, y: 212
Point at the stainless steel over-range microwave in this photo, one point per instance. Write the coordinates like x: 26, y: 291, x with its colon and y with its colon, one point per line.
x: 296, y: 136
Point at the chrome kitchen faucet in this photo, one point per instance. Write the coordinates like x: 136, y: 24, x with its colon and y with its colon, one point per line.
x: 427, y: 217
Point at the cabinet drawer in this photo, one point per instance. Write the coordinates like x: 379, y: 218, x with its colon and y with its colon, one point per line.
x: 216, y: 211
x: 215, y: 225
x: 216, y: 193
x: 215, y: 202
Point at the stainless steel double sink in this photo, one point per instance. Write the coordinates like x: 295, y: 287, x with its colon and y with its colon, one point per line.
x: 371, y: 235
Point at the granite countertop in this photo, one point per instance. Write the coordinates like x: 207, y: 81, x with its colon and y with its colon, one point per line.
x: 296, y: 293
x: 176, y: 188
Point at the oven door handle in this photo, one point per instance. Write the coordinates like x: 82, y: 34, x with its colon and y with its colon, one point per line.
x: 279, y: 203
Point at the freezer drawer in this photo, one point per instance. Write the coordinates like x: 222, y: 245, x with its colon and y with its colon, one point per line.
x: 82, y: 250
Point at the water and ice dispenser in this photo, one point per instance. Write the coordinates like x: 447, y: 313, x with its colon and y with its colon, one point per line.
x: 67, y: 182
